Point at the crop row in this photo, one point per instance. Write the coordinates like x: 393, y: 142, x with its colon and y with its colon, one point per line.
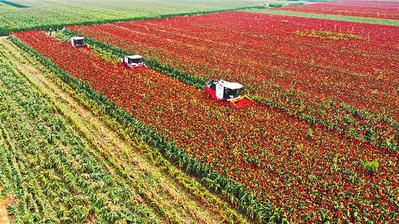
x: 280, y: 65
x: 308, y: 172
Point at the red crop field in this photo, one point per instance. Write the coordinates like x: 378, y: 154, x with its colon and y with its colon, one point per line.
x: 308, y: 171
x: 339, y: 74
x: 385, y: 9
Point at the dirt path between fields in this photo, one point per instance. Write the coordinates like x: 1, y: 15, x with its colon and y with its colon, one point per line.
x: 5, y: 218
x: 170, y: 194
x: 3, y: 210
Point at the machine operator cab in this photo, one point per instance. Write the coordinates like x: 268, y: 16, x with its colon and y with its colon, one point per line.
x: 78, y: 41
x: 231, y: 92
x: 134, y: 61
x: 223, y: 90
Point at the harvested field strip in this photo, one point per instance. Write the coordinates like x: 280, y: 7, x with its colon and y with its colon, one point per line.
x: 5, y: 202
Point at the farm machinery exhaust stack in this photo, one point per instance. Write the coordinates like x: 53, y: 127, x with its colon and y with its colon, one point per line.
x: 78, y: 41
x: 134, y: 62
x: 228, y: 91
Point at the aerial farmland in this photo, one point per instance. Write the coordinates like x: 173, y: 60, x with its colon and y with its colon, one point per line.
x: 199, y: 111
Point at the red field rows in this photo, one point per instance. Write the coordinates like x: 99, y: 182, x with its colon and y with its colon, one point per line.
x: 306, y: 170
x: 361, y: 8
x: 308, y: 66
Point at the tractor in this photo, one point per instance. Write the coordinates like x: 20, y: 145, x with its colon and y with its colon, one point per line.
x: 134, y: 61
x: 78, y: 41
x: 230, y: 92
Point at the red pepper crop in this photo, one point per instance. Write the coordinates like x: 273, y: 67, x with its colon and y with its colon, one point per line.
x: 304, y: 169
x: 340, y: 74
x: 362, y: 8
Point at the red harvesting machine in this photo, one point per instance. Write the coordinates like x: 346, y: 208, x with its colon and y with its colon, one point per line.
x: 135, y: 62
x: 230, y: 92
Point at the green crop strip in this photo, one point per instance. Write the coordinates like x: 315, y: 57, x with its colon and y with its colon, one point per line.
x: 13, y: 4
x: 327, y: 16
x: 236, y: 194
x: 6, y: 31
x: 370, y: 135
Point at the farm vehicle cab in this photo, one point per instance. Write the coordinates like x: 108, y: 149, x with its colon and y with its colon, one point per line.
x: 134, y: 62
x: 78, y: 41
x: 230, y: 92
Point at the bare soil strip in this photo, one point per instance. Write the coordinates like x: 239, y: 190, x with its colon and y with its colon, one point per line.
x: 5, y: 218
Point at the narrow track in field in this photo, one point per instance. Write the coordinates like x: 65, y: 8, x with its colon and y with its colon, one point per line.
x: 180, y: 199
x: 4, y: 203
x: 3, y: 211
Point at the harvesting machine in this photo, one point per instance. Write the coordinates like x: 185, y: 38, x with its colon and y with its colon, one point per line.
x: 77, y: 41
x: 134, y: 62
x: 230, y: 92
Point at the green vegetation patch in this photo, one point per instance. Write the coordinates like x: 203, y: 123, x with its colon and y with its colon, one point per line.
x: 371, y: 167
x: 55, y: 14
x: 276, y: 5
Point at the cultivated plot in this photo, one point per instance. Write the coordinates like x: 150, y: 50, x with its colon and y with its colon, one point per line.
x: 305, y: 171
x: 361, y: 8
x: 337, y: 74
x: 63, y: 161
x: 58, y: 13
